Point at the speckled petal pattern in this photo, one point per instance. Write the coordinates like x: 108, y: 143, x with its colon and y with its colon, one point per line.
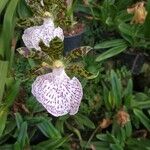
x: 45, y: 33
x: 59, y: 94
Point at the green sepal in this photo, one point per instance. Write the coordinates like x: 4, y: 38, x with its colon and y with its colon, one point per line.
x: 36, y: 7
x: 78, y: 69
x: 25, y: 52
x: 55, y: 51
x: 28, y: 22
x: 36, y: 55
x: 42, y: 70
x: 77, y: 53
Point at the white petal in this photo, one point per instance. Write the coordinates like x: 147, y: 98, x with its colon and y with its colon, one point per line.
x: 76, y: 95
x: 45, y: 33
x: 59, y: 33
x: 57, y: 93
x: 31, y: 37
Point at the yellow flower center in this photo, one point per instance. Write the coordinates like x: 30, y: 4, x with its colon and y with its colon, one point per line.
x: 47, y: 14
x: 58, y: 64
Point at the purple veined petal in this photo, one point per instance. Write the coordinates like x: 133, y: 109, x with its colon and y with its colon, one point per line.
x: 48, y: 23
x: 47, y: 36
x: 26, y: 39
x: 58, y: 32
x: 76, y: 91
x: 58, y: 93
x: 37, y: 85
x: 46, y: 32
x: 52, y: 94
x: 31, y: 37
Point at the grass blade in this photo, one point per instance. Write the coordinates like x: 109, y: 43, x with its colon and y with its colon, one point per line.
x: 3, y: 75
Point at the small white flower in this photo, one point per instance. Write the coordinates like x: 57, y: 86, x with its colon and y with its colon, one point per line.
x: 59, y: 94
x: 45, y: 33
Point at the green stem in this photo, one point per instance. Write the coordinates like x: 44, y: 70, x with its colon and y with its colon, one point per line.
x: 75, y: 130
x: 92, y: 135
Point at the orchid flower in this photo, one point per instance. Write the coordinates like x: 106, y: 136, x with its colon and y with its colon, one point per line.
x: 56, y: 91
x: 46, y: 33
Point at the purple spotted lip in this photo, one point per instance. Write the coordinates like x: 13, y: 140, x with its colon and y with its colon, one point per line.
x: 59, y: 94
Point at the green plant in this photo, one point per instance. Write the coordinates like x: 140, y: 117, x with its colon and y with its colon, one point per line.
x: 115, y: 47
x: 9, y: 87
x: 109, y: 13
x: 135, y: 35
x: 124, y: 114
x: 70, y: 12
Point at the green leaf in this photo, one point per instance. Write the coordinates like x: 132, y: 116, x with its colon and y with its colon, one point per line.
x: 51, y: 144
x: 143, y: 104
x: 82, y: 119
x: 8, y: 30
x: 3, y: 4
x: 116, y: 89
x: 10, y: 126
x: 22, y: 135
x: 115, y: 147
x: 12, y: 93
x: 138, y: 144
x: 6, y: 147
x: 3, y: 75
x: 106, y: 97
x: 60, y: 125
x: 17, y: 146
x: 126, y: 29
x: 147, y: 21
x: 23, y: 9
x: 111, y: 52
x: 102, y: 137
x: 3, y: 118
x: 19, y: 120
x: 143, y: 118
x: 128, y: 93
x: 98, y: 145
x: 128, y: 129
x: 109, y: 44
x: 48, y: 129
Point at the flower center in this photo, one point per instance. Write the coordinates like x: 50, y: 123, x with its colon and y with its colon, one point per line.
x: 47, y: 14
x: 58, y: 64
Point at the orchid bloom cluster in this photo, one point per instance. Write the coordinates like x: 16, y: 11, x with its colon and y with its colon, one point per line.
x: 58, y: 93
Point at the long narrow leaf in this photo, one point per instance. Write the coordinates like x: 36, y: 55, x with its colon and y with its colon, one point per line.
x: 8, y: 28
x: 3, y: 75
x: 12, y: 93
x: 84, y: 120
x: 3, y: 118
x: 3, y: 4
x: 22, y: 135
x: 109, y: 44
x: 143, y: 118
x: 49, y: 130
x: 116, y: 88
x: 111, y: 52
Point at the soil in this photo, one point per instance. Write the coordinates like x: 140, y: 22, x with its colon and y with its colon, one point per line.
x: 77, y: 28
